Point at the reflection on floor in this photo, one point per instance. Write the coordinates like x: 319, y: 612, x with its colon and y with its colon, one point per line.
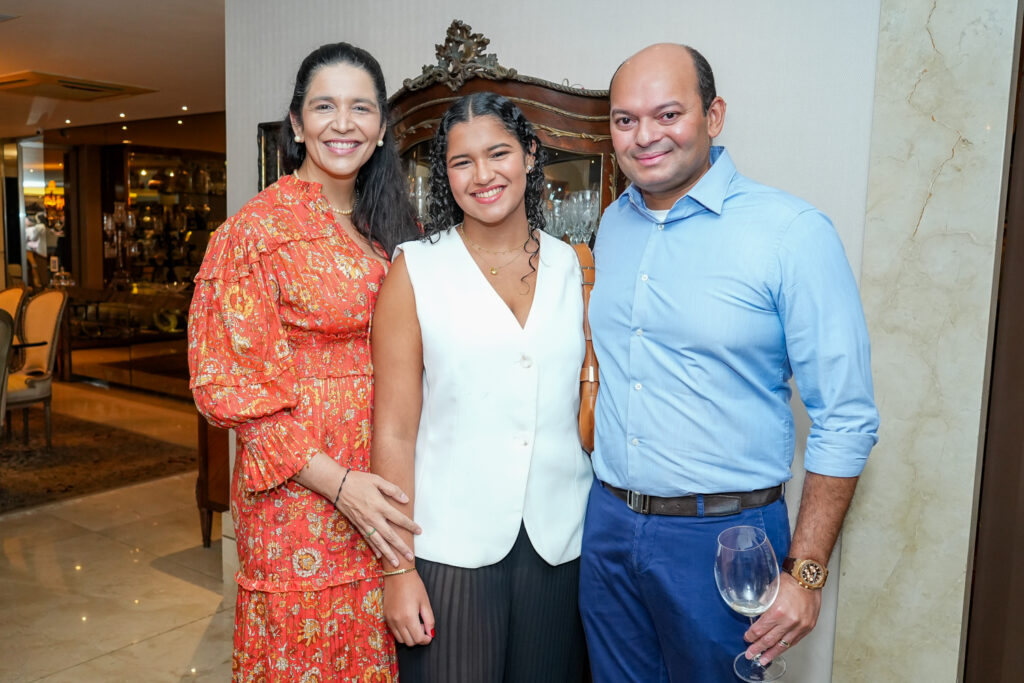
x: 116, y: 586
x: 159, y: 417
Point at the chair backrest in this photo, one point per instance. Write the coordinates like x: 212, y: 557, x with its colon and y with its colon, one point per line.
x: 10, y: 301
x: 6, y: 337
x: 41, y: 322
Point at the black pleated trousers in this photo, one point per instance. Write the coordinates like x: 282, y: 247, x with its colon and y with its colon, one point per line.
x: 516, y: 621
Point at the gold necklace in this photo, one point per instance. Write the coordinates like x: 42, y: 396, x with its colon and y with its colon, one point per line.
x: 493, y: 269
x: 340, y: 212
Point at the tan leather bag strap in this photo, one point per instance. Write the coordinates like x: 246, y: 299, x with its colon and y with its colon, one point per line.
x: 589, y: 371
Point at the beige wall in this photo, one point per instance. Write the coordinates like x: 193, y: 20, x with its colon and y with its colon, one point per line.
x: 805, y: 108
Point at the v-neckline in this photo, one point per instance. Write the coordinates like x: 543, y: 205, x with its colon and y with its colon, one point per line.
x: 471, y: 262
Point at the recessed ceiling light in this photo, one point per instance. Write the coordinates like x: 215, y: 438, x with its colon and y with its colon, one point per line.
x: 184, y: 108
x: 121, y: 115
x: 124, y: 127
x: 142, y: 172
x: 67, y: 120
x: 180, y: 122
x: 127, y: 142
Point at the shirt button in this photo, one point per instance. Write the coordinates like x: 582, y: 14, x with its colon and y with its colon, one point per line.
x: 525, y: 443
x: 640, y: 332
x: 638, y: 386
x: 636, y: 442
x: 526, y: 361
x: 644, y: 277
x: 661, y: 227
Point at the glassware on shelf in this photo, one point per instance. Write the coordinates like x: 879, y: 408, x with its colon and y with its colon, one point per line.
x: 553, y: 219
x: 119, y: 213
x: 584, y: 211
x: 420, y: 192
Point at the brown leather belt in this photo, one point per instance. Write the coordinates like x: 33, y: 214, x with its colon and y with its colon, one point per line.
x: 696, y: 505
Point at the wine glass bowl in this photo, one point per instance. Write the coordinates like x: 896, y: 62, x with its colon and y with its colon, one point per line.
x: 747, y: 576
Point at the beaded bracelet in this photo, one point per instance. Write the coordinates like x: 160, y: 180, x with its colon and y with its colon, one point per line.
x: 338, y: 494
x: 399, y: 571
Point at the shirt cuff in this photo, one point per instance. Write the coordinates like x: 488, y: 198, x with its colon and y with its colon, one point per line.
x: 838, y: 454
x: 276, y: 447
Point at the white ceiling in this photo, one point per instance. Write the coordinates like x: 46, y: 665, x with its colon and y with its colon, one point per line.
x: 175, y: 47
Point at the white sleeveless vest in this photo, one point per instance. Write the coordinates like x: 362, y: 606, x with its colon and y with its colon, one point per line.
x: 497, y: 442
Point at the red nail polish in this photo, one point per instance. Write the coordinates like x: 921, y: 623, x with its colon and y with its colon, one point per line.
x: 432, y: 632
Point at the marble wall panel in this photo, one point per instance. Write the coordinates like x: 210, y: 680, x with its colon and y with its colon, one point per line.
x: 943, y: 96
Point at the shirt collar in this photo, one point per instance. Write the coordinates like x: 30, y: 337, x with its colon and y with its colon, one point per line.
x: 710, y: 191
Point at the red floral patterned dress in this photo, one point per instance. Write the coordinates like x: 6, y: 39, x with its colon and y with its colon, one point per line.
x: 279, y: 351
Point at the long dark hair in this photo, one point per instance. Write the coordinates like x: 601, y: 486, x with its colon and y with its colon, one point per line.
x: 443, y: 210
x: 383, y: 212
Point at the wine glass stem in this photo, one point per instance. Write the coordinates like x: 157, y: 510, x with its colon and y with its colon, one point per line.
x: 757, y: 657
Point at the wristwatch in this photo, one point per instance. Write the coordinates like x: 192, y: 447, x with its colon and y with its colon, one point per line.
x: 808, y: 573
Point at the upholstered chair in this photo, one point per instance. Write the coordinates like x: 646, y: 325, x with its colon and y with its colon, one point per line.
x: 6, y: 337
x: 10, y: 301
x: 32, y: 383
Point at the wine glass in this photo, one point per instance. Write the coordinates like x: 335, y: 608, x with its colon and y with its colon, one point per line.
x: 747, y: 575
x: 589, y: 213
x: 556, y: 221
x: 573, y: 218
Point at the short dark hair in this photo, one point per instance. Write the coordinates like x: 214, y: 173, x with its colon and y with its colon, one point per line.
x: 383, y: 213
x: 705, y: 77
x: 444, y: 211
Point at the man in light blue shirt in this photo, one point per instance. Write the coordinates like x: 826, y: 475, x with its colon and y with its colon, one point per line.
x: 712, y: 292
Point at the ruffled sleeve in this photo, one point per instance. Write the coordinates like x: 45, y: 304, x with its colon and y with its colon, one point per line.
x: 239, y: 357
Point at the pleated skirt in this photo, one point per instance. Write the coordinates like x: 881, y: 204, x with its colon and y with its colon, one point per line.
x: 516, y: 621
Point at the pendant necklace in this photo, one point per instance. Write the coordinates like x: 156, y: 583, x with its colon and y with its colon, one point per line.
x: 497, y: 252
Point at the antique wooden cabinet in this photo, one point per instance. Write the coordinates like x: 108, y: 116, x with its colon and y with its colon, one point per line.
x: 572, y: 124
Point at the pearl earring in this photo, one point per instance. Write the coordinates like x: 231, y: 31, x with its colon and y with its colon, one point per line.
x: 529, y: 169
x: 380, y: 143
x: 297, y: 138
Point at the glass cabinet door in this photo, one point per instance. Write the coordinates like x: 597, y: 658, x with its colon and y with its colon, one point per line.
x: 572, y: 190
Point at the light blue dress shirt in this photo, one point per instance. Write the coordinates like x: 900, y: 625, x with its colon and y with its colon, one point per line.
x: 699, y: 321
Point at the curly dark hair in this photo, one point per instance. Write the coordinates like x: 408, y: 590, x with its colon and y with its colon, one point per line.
x: 383, y: 213
x: 443, y: 211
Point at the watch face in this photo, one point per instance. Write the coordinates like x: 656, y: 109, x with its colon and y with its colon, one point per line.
x: 812, y: 573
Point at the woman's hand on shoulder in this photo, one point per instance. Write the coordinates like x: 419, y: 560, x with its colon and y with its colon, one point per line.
x: 364, y: 500
x: 407, y: 609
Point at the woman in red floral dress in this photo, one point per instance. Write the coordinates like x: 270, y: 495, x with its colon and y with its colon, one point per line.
x: 279, y: 350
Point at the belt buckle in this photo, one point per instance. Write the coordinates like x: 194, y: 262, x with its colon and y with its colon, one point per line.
x: 638, y: 502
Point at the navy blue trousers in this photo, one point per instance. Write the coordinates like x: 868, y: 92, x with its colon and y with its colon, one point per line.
x: 651, y: 610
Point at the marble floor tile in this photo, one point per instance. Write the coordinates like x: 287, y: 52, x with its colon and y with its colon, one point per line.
x: 130, y: 504
x: 27, y: 528
x: 165, y: 533
x: 114, y: 587
x: 198, y: 651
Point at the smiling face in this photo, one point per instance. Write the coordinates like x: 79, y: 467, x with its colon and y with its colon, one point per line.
x: 660, y: 132
x: 341, y: 123
x: 487, y: 171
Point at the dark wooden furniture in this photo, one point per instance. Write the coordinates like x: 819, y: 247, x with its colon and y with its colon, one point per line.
x: 133, y: 338
x: 572, y: 123
x: 212, y: 484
